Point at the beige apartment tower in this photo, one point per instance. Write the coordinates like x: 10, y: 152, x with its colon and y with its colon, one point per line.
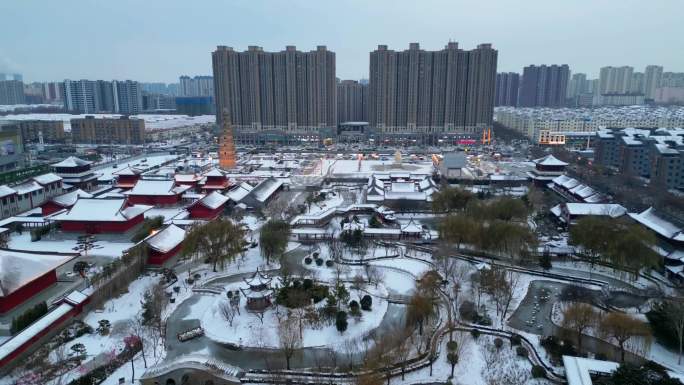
x: 426, y: 95
x: 276, y: 96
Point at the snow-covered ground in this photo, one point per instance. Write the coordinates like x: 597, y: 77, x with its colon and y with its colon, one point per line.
x: 478, y: 362
x: 249, y: 330
x: 108, y: 249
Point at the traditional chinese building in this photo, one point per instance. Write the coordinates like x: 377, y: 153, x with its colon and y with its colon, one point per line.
x: 94, y: 216
x: 164, y: 244
x: 64, y: 201
x: 156, y: 192
x: 258, y: 293
x: 208, y: 207
x: 214, y: 180
x: 546, y: 169
x: 127, y: 177
x: 76, y: 172
x: 187, y: 179
x: 25, y: 275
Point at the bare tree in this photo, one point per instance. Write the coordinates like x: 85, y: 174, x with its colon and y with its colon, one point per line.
x: 579, y: 317
x: 259, y: 315
x: 507, y: 291
x: 227, y: 311
x: 336, y: 248
x: 138, y: 329
x: 374, y: 274
x: 351, y: 347
x: 402, y: 348
x: 622, y: 327
x: 289, y: 338
x: 675, y: 315
x: 154, y: 303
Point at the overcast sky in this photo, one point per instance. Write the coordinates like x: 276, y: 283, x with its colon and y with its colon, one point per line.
x: 158, y: 40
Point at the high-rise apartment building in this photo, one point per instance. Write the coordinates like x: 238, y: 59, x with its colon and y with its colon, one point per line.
x: 425, y: 95
x: 90, y: 96
x: 12, y: 92
x: 127, y: 97
x: 352, y: 101
x: 544, y: 86
x: 276, y: 96
x: 81, y: 96
x: 672, y: 79
x: 652, y: 76
x: 615, y: 80
x: 638, y: 83
x: 578, y: 85
x: 197, y: 86
x: 507, y: 88
x: 8, y: 76
x: 53, y: 92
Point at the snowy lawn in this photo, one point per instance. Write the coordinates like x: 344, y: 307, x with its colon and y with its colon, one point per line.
x: 108, y: 249
x: 248, y: 330
x: 478, y: 363
x: 415, y: 267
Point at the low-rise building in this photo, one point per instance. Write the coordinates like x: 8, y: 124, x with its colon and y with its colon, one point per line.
x: 95, y: 216
x: 654, y: 154
x: 164, y: 244
x: 29, y: 194
x: 569, y: 213
x: 76, y: 172
x: 122, y: 130
x: 393, y: 187
x: 51, y: 131
x: 156, y: 192
x: 208, y: 207
x: 546, y: 169
x: 25, y: 275
x: 262, y: 193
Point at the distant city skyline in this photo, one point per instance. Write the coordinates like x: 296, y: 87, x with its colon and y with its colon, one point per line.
x: 165, y: 39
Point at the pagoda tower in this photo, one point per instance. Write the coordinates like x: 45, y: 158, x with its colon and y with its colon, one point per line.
x: 227, y: 158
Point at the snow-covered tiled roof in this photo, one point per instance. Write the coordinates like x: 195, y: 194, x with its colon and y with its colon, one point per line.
x: 401, y: 187
x: 239, y: 192
x: 266, y: 188
x: 578, y: 370
x: 19, y: 268
x: 213, y: 200
x: 187, y: 178
x: 68, y: 199
x: 6, y: 191
x: 665, y: 228
x: 152, y: 187
x: 72, y: 161
x: 135, y: 210
x: 412, y: 227
x: 550, y: 160
x: 128, y: 171
x: 76, y: 297
x: 27, y: 187
x: 214, y: 172
x: 47, y: 178
x: 101, y: 210
x: 612, y: 210
x: 166, y: 239
x: 33, y: 330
